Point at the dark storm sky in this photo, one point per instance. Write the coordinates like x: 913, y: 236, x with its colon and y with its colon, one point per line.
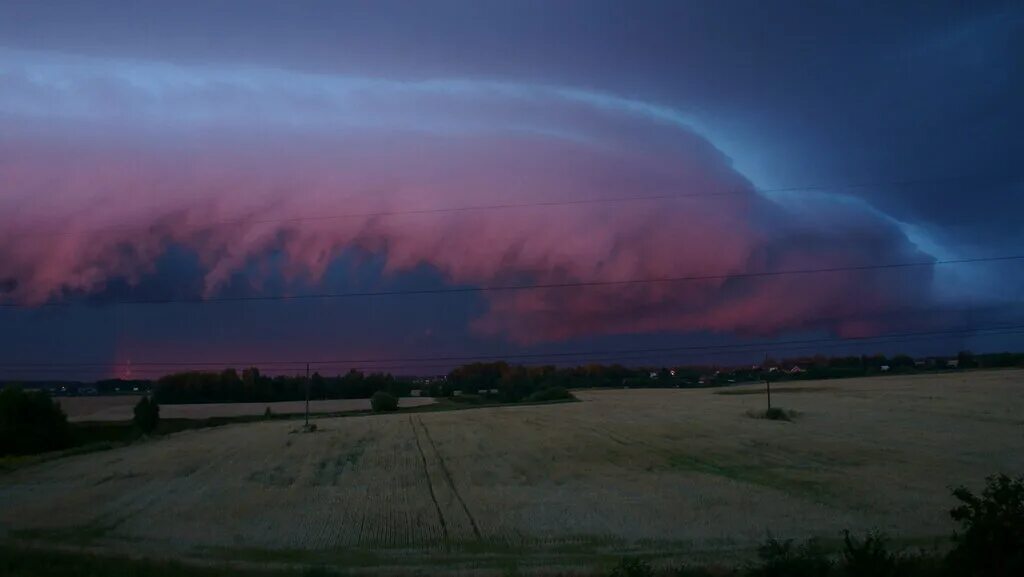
x: 220, y: 149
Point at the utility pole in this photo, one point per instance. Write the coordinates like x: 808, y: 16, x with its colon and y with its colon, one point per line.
x: 767, y: 381
x: 307, y: 395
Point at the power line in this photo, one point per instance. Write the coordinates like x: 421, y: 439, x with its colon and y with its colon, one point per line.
x: 537, y: 204
x: 561, y: 285
x: 756, y: 346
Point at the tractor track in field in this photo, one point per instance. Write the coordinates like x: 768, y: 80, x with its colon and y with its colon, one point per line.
x: 451, y: 482
x: 430, y: 484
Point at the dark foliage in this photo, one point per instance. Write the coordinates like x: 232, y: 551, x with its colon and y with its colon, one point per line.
x: 784, y: 559
x: 990, y: 542
x: 252, y: 386
x: 632, y: 567
x: 31, y: 422
x: 869, y: 556
x: 551, y: 394
x: 147, y: 415
x: 382, y: 402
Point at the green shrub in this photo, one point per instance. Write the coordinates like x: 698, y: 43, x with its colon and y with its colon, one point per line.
x: 147, y: 415
x: 632, y: 567
x: 31, y: 422
x: 382, y: 402
x: 990, y: 542
x: 784, y: 559
x: 550, y: 394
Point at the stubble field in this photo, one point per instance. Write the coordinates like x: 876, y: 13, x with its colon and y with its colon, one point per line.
x: 119, y: 408
x: 680, y: 473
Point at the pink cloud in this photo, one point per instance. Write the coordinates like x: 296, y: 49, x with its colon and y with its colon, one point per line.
x: 89, y: 199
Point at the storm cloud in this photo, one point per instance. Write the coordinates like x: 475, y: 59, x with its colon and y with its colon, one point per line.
x: 235, y: 165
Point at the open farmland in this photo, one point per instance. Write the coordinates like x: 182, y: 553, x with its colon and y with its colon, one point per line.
x: 119, y: 407
x: 672, y: 472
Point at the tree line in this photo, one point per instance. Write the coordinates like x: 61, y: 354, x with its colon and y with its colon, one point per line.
x: 229, y: 386
x: 503, y: 382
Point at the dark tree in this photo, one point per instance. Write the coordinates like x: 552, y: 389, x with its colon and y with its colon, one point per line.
x: 147, y: 415
x: 382, y: 402
x: 990, y: 542
x: 31, y: 422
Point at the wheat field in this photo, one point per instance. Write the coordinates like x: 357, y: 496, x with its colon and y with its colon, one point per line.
x: 683, y: 472
x: 120, y: 407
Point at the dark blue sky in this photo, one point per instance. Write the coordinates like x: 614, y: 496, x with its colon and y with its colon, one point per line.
x: 152, y: 150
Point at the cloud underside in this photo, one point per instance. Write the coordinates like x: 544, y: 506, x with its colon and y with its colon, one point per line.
x: 105, y: 169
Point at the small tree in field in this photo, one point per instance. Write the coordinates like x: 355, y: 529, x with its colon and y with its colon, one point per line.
x: 381, y: 402
x: 147, y: 415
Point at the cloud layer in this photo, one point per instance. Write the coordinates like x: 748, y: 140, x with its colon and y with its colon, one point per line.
x: 106, y: 165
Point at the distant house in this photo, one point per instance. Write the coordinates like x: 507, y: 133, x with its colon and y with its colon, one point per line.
x: 884, y: 368
x: 953, y: 363
x: 416, y: 393
x: 654, y: 374
x: 919, y: 363
x: 796, y: 370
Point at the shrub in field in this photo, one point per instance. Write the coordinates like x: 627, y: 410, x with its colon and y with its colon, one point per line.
x: 773, y: 414
x: 147, y: 415
x: 551, y: 394
x: 382, y: 402
x: 632, y: 567
x: 990, y: 542
x: 31, y: 422
x: 784, y: 559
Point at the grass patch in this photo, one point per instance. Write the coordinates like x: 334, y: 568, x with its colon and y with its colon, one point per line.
x: 760, y: 474
x: 31, y: 562
x: 12, y: 463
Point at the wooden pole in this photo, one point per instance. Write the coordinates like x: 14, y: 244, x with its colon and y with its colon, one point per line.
x: 307, y: 394
x: 767, y: 381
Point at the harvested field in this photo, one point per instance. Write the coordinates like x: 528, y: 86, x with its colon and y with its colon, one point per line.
x: 119, y: 407
x: 682, y: 473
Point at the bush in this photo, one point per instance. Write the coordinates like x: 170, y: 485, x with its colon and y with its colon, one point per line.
x: 869, y: 557
x: 991, y: 540
x: 632, y: 567
x: 773, y: 414
x: 147, y: 415
x: 382, y: 402
x: 783, y: 559
x: 551, y: 394
x: 31, y: 422
x: 268, y: 414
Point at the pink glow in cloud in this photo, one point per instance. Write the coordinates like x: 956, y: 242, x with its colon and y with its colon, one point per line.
x: 105, y: 165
